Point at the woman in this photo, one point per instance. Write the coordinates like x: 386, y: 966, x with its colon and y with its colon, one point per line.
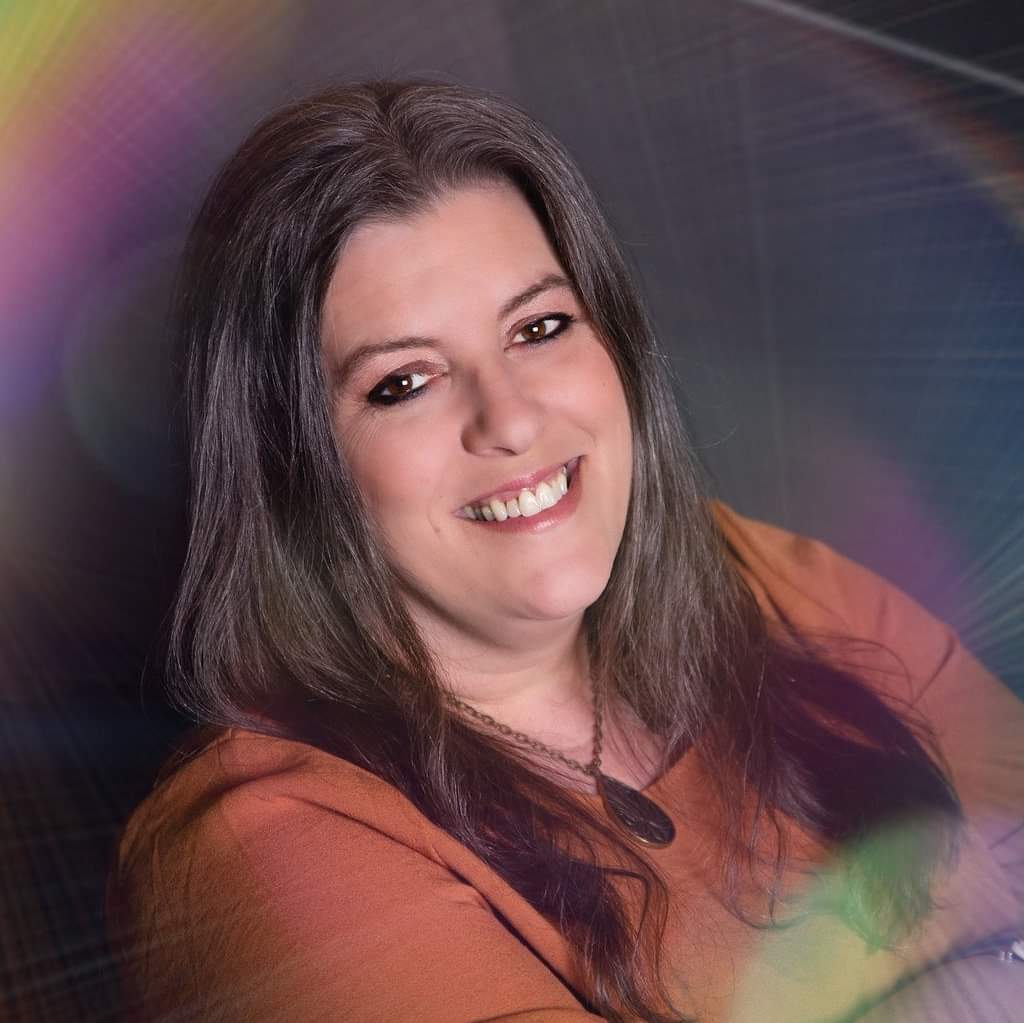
x: 509, y: 722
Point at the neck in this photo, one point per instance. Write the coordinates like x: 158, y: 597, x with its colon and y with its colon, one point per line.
x: 535, y: 680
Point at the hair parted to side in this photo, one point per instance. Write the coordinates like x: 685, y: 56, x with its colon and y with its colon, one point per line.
x: 289, y: 618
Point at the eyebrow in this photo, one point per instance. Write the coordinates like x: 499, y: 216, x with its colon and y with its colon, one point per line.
x: 364, y: 353
x: 546, y: 283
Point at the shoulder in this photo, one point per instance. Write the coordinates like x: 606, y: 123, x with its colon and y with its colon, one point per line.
x: 242, y: 785
x: 801, y: 575
x: 234, y: 856
x: 904, y: 652
x: 265, y: 879
x: 818, y: 591
x: 255, y: 820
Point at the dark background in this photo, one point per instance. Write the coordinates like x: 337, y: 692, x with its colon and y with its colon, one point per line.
x: 824, y: 203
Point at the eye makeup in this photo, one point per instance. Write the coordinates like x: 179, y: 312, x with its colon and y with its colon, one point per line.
x: 562, y: 322
x: 408, y: 382
x: 413, y: 380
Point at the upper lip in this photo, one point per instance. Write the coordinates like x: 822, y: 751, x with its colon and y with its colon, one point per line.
x: 511, y: 488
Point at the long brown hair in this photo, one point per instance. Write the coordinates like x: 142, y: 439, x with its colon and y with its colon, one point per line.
x: 289, y: 613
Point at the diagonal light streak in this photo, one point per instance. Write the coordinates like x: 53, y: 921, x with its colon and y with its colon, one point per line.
x: 881, y: 41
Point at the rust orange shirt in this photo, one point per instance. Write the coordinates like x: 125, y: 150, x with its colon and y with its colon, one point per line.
x: 265, y: 880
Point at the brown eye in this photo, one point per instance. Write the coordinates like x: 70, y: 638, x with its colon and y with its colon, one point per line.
x: 544, y: 329
x: 397, y: 388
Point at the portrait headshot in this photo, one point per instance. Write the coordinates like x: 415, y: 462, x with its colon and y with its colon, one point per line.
x: 515, y: 513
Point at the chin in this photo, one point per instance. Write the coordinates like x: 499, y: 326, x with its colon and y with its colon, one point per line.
x: 567, y: 593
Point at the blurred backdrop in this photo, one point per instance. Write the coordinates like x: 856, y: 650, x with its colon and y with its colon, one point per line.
x: 824, y: 203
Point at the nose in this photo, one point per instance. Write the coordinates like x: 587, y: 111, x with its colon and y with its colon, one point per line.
x: 504, y: 416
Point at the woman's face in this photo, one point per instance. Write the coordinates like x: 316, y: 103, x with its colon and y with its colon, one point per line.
x: 464, y: 375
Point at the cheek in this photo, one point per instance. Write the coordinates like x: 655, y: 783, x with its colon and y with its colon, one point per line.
x: 609, y: 397
x: 395, y: 477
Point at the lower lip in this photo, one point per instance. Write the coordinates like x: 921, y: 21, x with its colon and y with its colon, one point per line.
x: 542, y: 520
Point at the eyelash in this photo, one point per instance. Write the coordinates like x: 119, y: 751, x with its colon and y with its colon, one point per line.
x: 376, y: 397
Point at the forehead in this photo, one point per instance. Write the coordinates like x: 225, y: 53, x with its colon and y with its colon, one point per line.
x: 463, y: 255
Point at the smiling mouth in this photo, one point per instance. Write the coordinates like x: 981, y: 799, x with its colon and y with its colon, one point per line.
x: 530, y: 501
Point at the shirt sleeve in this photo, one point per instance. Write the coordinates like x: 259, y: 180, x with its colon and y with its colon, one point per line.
x: 275, y: 909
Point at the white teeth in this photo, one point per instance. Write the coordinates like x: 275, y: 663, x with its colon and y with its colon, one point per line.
x: 528, y: 504
x: 546, y: 496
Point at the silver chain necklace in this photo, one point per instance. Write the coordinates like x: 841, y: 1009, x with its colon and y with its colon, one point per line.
x: 641, y: 818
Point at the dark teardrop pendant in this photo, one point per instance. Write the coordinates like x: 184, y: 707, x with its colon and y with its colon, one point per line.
x: 633, y: 811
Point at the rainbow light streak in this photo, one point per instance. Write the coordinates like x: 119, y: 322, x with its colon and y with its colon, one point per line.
x: 105, y: 108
